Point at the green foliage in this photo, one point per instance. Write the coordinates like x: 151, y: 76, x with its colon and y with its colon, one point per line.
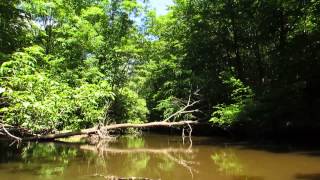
x: 226, y: 115
x: 169, y: 106
x: 13, y: 28
x: 128, y: 107
x: 240, y: 96
x: 238, y: 91
x: 40, y: 102
x: 78, y: 67
x: 90, y: 60
x: 267, y: 51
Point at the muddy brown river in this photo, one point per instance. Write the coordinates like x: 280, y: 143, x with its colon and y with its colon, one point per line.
x: 159, y: 157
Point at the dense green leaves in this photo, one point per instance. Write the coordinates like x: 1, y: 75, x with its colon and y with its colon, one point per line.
x: 39, y: 100
x: 255, y: 62
x: 73, y: 64
x: 77, y: 70
x: 240, y: 96
x: 13, y: 28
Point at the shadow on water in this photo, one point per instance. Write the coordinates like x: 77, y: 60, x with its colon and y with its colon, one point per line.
x: 7, y: 153
x: 247, y: 178
x: 309, y: 150
x: 308, y: 176
x: 279, y: 147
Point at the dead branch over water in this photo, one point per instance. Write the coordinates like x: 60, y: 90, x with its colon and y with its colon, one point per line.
x: 94, y: 130
x: 103, y: 131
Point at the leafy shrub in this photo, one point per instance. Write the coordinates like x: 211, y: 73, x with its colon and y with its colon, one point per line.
x: 225, y: 115
x: 40, y: 100
x: 128, y: 107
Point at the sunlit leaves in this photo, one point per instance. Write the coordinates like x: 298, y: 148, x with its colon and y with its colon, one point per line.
x: 226, y: 115
x: 42, y: 100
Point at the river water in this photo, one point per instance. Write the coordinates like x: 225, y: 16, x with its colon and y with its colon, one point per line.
x: 159, y: 157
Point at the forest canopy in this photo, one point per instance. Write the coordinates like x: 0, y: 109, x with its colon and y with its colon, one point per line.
x: 253, y: 65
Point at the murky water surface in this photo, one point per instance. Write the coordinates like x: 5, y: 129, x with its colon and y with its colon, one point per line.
x: 159, y: 157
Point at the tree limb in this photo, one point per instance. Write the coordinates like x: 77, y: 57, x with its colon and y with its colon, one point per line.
x: 95, y: 130
x: 183, y: 110
x: 15, y: 138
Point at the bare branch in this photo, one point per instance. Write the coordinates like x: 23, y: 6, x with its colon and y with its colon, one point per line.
x: 15, y: 138
x: 183, y: 110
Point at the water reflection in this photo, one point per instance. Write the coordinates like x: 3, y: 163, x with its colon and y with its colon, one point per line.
x: 230, y: 165
x: 154, y: 157
x: 228, y: 162
x: 46, y: 160
x: 141, y: 159
x: 308, y: 176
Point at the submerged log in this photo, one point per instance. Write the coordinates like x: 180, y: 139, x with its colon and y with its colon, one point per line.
x: 120, y: 178
x: 97, y: 130
x: 135, y: 150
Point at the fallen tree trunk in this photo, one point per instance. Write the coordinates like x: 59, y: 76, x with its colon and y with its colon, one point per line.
x: 96, y: 130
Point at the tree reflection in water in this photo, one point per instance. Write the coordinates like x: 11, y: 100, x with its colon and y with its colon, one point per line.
x: 230, y: 165
x: 228, y: 162
x: 47, y: 159
x: 125, y: 157
x: 137, y: 158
